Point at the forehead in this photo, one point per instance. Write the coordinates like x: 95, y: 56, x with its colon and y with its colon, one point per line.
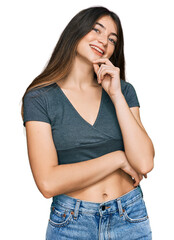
x: 108, y: 23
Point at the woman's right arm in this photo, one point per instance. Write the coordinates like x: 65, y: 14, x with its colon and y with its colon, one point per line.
x: 53, y: 179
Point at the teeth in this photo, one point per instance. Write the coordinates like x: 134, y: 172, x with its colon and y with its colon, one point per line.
x: 97, y: 49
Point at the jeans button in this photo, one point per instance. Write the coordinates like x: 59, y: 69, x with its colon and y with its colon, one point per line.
x: 103, y: 208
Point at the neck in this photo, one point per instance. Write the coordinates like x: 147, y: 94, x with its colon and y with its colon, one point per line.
x: 81, y: 75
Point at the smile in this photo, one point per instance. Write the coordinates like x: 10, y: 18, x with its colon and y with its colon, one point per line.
x: 98, y: 49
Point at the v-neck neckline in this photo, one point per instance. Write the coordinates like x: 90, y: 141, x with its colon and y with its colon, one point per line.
x: 72, y: 106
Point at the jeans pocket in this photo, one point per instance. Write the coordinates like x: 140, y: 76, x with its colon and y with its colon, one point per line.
x: 60, y: 216
x: 136, y: 211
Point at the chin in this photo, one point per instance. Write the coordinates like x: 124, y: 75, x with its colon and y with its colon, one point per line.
x: 89, y: 57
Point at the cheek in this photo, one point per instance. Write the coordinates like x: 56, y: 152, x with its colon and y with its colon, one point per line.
x: 85, y: 42
x: 91, y: 36
x: 110, y: 51
x: 82, y: 46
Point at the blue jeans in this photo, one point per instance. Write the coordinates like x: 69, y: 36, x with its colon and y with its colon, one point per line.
x: 123, y: 218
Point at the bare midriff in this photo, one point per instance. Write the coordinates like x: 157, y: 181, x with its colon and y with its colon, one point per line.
x: 113, y: 186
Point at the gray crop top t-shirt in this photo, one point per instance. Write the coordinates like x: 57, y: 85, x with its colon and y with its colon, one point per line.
x: 75, y: 139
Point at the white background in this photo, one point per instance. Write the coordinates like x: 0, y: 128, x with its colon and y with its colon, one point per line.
x: 29, y: 32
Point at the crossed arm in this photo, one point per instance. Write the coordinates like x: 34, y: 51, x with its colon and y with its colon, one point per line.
x: 138, y: 146
x: 53, y: 179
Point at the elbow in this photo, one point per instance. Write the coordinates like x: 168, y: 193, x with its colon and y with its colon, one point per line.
x: 46, y: 190
x: 148, y: 166
x: 48, y: 187
x: 46, y: 195
x: 148, y: 162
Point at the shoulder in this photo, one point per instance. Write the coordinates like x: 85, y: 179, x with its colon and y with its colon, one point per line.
x: 125, y: 86
x: 129, y: 93
x: 40, y: 98
x: 40, y: 92
x: 37, y: 104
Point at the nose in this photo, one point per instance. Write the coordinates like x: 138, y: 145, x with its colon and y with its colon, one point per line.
x: 103, y: 39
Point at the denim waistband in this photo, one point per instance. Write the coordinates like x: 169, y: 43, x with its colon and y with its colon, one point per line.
x: 106, y: 207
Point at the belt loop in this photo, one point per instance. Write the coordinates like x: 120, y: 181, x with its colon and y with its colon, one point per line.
x: 119, y: 207
x: 76, y: 210
x: 140, y: 190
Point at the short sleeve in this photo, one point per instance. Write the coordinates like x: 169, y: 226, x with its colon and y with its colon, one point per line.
x: 131, y: 95
x: 35, y: 107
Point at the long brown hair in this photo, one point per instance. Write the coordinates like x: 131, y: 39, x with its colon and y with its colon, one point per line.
x: 61, y: 60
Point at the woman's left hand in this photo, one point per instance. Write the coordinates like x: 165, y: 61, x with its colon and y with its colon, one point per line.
x: 108, y: 76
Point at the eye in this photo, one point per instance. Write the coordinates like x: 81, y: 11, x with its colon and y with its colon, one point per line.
x: 113, y: 41
x: 95, y: 29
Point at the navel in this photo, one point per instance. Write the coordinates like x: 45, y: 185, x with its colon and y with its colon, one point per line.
x: 105, y: 195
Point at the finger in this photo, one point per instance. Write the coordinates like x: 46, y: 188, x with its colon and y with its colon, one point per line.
x: 140, y: 176
x: 99, y: 71
x: 136, y: 178
x: 104, y: 72
x: 145, y: 175
x: 96, y: 68
x: 136, y: 181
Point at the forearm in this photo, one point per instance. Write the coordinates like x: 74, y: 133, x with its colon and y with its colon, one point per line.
x: 72, y: 177
x: 138, y: 146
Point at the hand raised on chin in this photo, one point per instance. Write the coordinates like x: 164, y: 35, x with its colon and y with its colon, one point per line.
x: 108, y: 76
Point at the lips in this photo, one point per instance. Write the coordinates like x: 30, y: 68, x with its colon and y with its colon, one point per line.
x: 100, y: 50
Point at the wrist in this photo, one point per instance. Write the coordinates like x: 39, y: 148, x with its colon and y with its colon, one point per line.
x: 115, y: 97
x: 119, y: 159
x: 123, y: 159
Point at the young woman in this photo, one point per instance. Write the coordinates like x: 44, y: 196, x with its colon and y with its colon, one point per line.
x: 87, y: 147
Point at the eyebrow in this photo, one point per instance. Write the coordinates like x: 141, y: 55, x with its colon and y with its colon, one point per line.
x: 105, y: 28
